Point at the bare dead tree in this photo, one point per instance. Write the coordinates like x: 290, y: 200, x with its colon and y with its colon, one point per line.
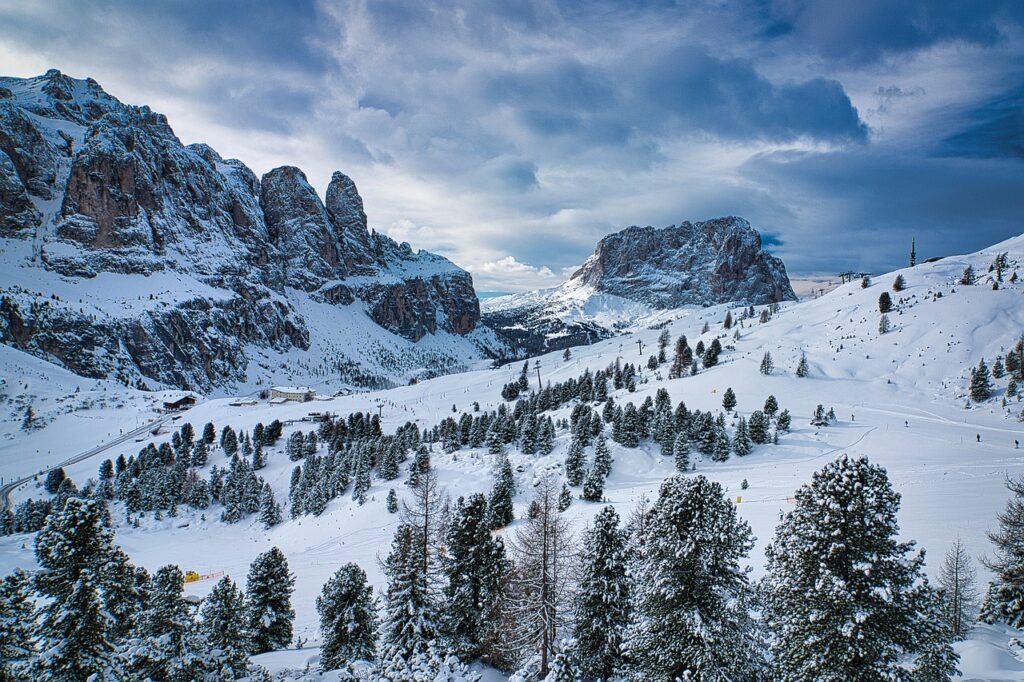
x: 539, y: 599
x: 958, y: 579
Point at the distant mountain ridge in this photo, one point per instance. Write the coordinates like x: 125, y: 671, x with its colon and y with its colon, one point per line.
x: 100, y: 200
x: 641, y: 270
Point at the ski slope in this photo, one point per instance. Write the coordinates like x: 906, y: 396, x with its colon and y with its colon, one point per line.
x: 899, y: 398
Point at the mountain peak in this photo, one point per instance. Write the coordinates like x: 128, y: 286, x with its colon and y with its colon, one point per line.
x: 702, y: 263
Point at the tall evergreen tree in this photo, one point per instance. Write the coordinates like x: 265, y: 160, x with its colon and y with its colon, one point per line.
x: 268, y: 592
x: 802, y: 368
x: 500, y: 503
x: 1005, y: 600
x: 981, y: 383
x: 74, y: 636
x: 270, y: 510
x: 409, y: 615
x: 474, y: 572
x: 225, y: 625
x: 845, y: 600
x: 602, y: 606
x: 575, y: 463
x: 17, y: 621
x: 691, y: 595
x: 602, y: 458
x: 348, y: 619
x: 681, y: 452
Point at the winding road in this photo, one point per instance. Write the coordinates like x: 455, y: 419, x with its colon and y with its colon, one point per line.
x: 8, y: 488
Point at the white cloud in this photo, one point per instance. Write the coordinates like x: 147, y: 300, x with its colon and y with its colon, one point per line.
x: 509, y: 274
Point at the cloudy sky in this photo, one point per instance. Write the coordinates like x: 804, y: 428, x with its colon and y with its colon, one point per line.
x: 511, y: 136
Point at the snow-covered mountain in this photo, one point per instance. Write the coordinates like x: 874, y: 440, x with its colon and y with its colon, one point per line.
x: 638, y: 273
x: 126, y: 254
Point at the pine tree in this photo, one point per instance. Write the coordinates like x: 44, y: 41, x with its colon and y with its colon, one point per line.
x: 681, y: 452
x: 392, y: 501
x: 500, y: 501
x: 771, y: 406
x: 224, y: 624
x: 538, y: 603
x: 474, y: 573
x: 409, y: 616
x: 958, y: 580
x: 844, y: 599
x: 575, y: 463
x: 270, y: 510
x: 229, y: 442
x: 1005, y: 600
x: 885, y: 302
x: 690, y: 594
x: 602, y: 458
x: 729, y: 400
x: 72, y: 638
x: 268, y: 592
x: 802, y: 370
x: 767, y: 364
x: 758, y: 427
x: 899, y: 284
x: 168, y: 644
x: 593, y: 485
x: 981, y: 384
x: 720, y: 453
x: 783, y: 421
x: 54, y: 479
x: 17, y: 621
x: 348, y: 619
x: 741, y: 443
x: 819, y: 418
x: 602, y: 606
x: 564, y: 498
x: 126, y: 591
x: 884, y: 326
x: 968, y: 277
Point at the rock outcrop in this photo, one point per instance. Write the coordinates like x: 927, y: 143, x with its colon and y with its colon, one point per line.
x: 704, y: 263
x: 640, y: 270
x: 94, y: 190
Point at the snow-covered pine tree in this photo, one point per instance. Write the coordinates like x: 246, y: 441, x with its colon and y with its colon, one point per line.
x: 690, y: 595
x: 602, y: 607
x: 229, y: 442
x: 720, y: 453
x: 224, y: 624
x: 575, y: 463
x: 270, y: 510
x: 757, y: 427
x: 981, y: 383
x: 499, y: 504
x: 564, y: 498
x: 959, y: 583
x: 802, y: 369
x: 125, y: 593
x: 268, y: 593
x: 593, y: 485
x: 1004, y: 602
x: 538, y: 603
x: 392, y: 501
x: 885, y: 303
x: 169, y: 645
x: 410, y: 622
x: 771, y: 406
x: 783, y: 421
x: 602, y: 458
x: 729, y: 400
x: 348, y: 619
x: 767, y: 364
x: 741, y: 443
x: 844, y: 599
x: 681, y: 452
x: 474, y: 573
x: 17, y: 621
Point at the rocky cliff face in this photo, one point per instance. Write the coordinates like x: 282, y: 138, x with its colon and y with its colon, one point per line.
x: 702, y: 263
x: 99, y: 193
x: 637, y: 272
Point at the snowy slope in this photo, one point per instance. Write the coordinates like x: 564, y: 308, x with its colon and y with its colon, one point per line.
x: 899, y: 399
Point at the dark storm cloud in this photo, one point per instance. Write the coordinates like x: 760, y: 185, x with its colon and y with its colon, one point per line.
x: 997, y: 130
x: 870, y: 29
x: 512, y: 136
